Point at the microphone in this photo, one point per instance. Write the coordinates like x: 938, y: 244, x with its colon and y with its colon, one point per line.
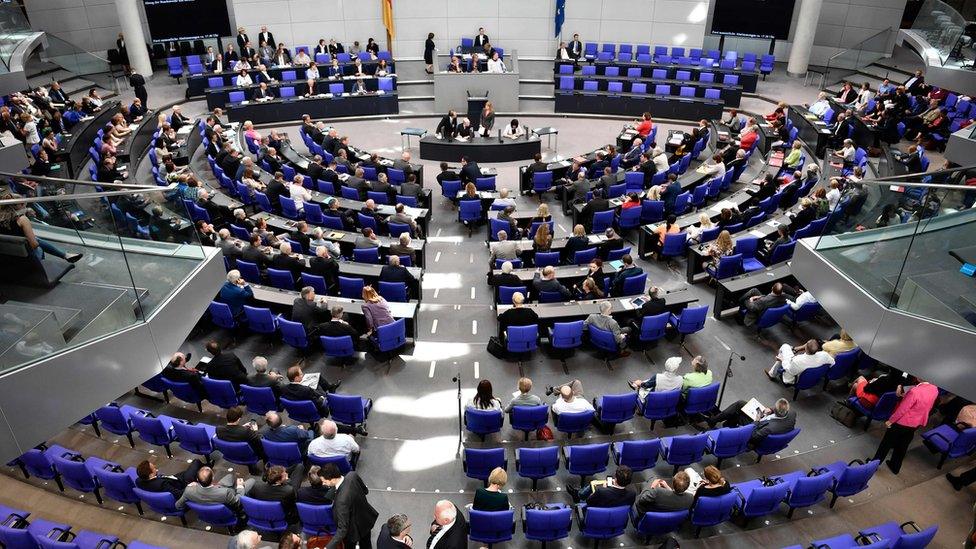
x: 742, y: 358
x: 454, y: 379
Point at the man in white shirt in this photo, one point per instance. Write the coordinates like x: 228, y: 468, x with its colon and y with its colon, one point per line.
x: 297, y: 192
x: 668, y: 380
x: 495, y: 64
x: 833, y: 195
x: 569, y: 402
x: 562, y: 54
x: 821, y: 105
x: 504, y: 199
x: 331, y: 443
x: 790, y: 365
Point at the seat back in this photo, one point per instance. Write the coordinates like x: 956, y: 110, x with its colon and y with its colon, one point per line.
x: 480, y: 462
x: 240, y: 453
x: 916, y: 540
x: 661, y: 404
x: 675, y: 243
x: 658, y: 523
x: 809, y: 490
x: 730, y: 441
x: 605, y: 522
x: 685, y: 449
x: 547, y: 524
x: 304, y: 411
x: 491, y: 526
x: 351, y: 287
x: 771, y: 444
x: 538, y: 462
x: 196, y: 439
x: 638, y: 454
x: 161, y: 502
x: 75, y: 474
x: 483, y: 421
x: 529, y: 418
x: 587, y: 459
x: 712, y: 510
x: 393, y: 336
x: 285, y: 454
x: 603, y: 339
x: 215, y: 514
x: 618, y: 408
x: 854, y: 478
x: 700, y: 399
x: 811, y: 377
x: 220, y: 392
x: 153, y: 430
x: 729, y: 266
x: 763, y: 500
x: 117, y: 485
x: 259, y: 400
x: 264, y: 516
x: 316, y: 519
x: 634, y: 285
x: 692, y: 319
x: 574, y: 422
x: 293, y: 333
x: 522, y: 339
x: 347, y: 409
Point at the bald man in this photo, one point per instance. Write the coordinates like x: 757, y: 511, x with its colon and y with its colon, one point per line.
x: 449, y: 530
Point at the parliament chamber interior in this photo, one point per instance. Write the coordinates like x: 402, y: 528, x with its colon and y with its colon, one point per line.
x: 444, y: 274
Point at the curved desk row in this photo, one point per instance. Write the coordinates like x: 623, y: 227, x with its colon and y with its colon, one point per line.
x: 301, y: 162
x: 83, y: 136
x: 279, y: 110
x: 628, y: 104
x: 731, y: 95
x: 480, y: 149
x: 219, y: 97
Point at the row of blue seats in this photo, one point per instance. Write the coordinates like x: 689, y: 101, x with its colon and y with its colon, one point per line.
x: 18, y: 530
x: 888, y: 535
x: 384, y: 83
x: 351, y: 287
x: 747, y: 500
x: 195, y: 63
x: 590, y: 459
x: 567, y: 84
x: 93, y: 475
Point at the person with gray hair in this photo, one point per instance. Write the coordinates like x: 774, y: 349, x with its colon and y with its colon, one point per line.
x: 779, y: 419
x: 668, y: 380
x: 331, y: 443
x: 506, y: 277
x: 324, y: 265
x: 503, y: 249
x: 394, y: 272
x: 236, y: 292
x: 449, y: 530
x: 246, y: 539
x: 402, y: 248
x: 395, y: 533
x: 262, y: 377
x: 230, y: 246
x: 287, y: 261
x: 604, y: 321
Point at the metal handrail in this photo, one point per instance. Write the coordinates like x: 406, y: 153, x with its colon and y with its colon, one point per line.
x: 49, y: 179
x: 63, y: 197
x: 901, y: 178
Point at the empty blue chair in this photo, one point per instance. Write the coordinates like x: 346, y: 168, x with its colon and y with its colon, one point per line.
x: 600, y: 523
x: 264, y: 516
x: 217, y: 514
x: 221, y: 315
x: 483, y: 422
x: 235, y: 97
x: 900, y: 538
x: 660, y: 405
x: 537, y: 463
x: 545, y: 259
x: 352, y: 287
x: 849, y: 478
x: 118, y: 485
x: 157, y: 430
x: 589, y: 85
x: 699, y: 400
x: 639, y: 455
x: 240, y: 453
x: 39, y: 462
x: 285, y: 454
x: 662, y: 89
x: 220, y: 392
x: 757, y: 500
x: 196, y: 439
x: 541, y: 182
x: 586, y: 459
x: 491, y: 527
x: 583, y: 257
x: 116, y: 419
x: 712, y: 511
x: 162, y: 503
x: 683, y: 449
x: 395, y: 292
x: 564, y: 339
x: 479, y: 463
x: 950, y: 442
x: 574, y: 422
x: 260, y: 319
x: 712, y: 93
x: 521, y: 340
x: 529, y: 418
x: 79, y: 474
x: 657, y: 523
x: 602, y: 221
x: 652, y: 329
x: 281, y: 279
x: 349, y: 409
x: 316, y: 282
x: 619, y: 253
x: 770, y: 444
x: 634, y: 285
x: 259, y: 400
x: 293, y: 334
x: 689, y: 321
x: 550, y: 524
x: 303, y: 411
x: 728, y: 442
x: 614, y: 409
x: 803, y: 490
x: 638, y: 88
x: 316, y: 519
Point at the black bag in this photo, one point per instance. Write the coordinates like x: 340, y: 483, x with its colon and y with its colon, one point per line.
x: 843, y: 413
x: 496, y: 349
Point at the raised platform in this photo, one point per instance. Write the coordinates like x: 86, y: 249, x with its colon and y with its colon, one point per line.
x: 480, y: 149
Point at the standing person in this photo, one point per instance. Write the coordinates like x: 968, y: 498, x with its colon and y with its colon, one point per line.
x: 449, y: 530
x: 354, y: 516
x: 911, y: 413
x: 138, y: 84
x: 123, y: 53
x: 429, y: 48
x: 487, y: 118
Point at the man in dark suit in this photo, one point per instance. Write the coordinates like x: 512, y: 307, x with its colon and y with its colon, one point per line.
x: 280, y: 485
x: 395, y: 533
x: 655, y: 305
x: 411, y: 188
x: 575, y: 47
x: 353, y: 514
x: 773, y: 421
x: 337, y: 326
x: 597, y: 204
x: 755, y: 303
x: 536, y: 166
x: 294, y: 390
x: 307, y: 312
x: 275, y: 431
x: 447, y: 127
x: 267, y: 37
x: 517, y: 315
x: 242, y: 38
x: 402, y: 247
x: 403, y: 163
x: 671, y: 192
x: 481, y: 39
x: 447, y: 174
x: 615, y: 493
x: 601, y: 162
x: 234, y: 431
x: 628, y: 269
x: 254, y: 252
x: 275, y: 189
x: 247, y: 51
x: 324, y: 265
x: 315, y: 168
x: 358, y: 182
x: 225, y: 365
x: 262, y: 378
x: 449, y: 530
x: 506, y: 277
x: 149, y: 479
x: 469, y: 170
x: 286, y: 261
x: 544, y: 280
x: 394, y: 272
x: 179, y: 369
x: 382, y: 185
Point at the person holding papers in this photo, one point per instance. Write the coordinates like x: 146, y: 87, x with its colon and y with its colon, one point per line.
x: 768, y: 421
x: 513, y: 130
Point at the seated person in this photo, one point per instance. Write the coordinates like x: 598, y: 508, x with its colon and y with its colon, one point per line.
x: 701, y: 376
x: 615, y: 493
x: 605, y: 321
x: 149, y: 479
x: 296, y: 390
x: 517, y: 315
x: 840, y: 343
x: 569, y: 402
x: 772, y: 421
x: 668, y: 380
x: 513, y: 130
x: 712, y: 483
x: 659, y: 496
x: 525, y: 396
x: 227, y: 491
x: 316, y: 493
x: 278, y: 486
x: 484, y: 399
x: 275, y: 431
x: 792, y: 361
x: 868, y: 392
x: 235, y: 431
x: 331, y: 442
x: 544, y: 280
x: 491, y: 498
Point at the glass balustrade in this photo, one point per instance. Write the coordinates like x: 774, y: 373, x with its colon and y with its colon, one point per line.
x: 941, y: 26
x: 903, y: 241
x: 857, y: 57
x: 14, y: 28
x: 136, y: 248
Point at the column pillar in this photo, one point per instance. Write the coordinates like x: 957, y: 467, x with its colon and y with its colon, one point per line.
x: 806, y: 29
x: 135, y: 39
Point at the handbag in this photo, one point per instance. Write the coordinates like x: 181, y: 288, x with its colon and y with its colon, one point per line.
x: 544, y: 433
x: 321, y: 542
x: 843, y: 413
x: 496, y: 349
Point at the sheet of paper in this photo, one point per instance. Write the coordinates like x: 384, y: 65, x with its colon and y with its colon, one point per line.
x: 753, y: 409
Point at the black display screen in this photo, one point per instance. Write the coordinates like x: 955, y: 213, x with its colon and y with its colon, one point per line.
x: 753, y: 18
x: 187, y: 19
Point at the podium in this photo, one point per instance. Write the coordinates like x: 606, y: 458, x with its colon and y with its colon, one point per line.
x: 476, y: 103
